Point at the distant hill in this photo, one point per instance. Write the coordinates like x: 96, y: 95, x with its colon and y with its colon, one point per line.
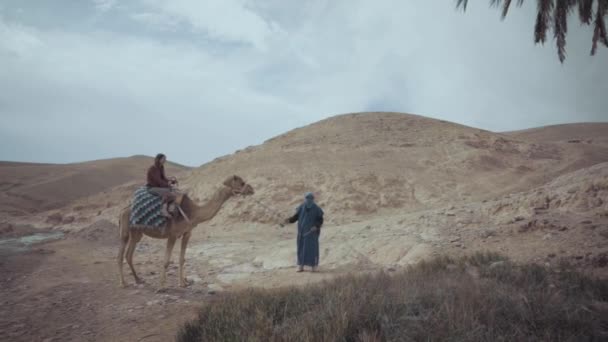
x: 32, y: 187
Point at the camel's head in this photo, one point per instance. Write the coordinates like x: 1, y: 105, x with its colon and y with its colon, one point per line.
x: 238, y: 186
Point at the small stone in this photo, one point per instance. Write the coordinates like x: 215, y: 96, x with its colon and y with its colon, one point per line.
x: 214, y: 288
x: 391, y: 269
x: 473, y: 272
x: 451, y: 267
x: 496, y: 264
x: 587, y: 222
x: 551, y: 255
x: 455, y: 239
x: 195, y: 279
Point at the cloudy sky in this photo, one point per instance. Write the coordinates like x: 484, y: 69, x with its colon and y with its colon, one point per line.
x: 197, y: 79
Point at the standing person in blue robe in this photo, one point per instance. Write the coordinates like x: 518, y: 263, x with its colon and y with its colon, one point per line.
x: 310, y: 219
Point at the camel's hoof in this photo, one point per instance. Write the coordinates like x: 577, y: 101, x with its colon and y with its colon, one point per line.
x: 123, y: 285
x: 185, y: 283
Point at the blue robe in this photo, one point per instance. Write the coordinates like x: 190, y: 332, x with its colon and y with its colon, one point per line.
x: 308, y: 242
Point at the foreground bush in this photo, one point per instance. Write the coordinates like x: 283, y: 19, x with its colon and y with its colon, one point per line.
x: 479, y: 298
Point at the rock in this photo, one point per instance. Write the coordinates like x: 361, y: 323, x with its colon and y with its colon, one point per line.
x: 55, y: 218
x: 561, y: 229
x: 547, y: 236
x: 153, y: 302
x: 600, y: 260
x: 551, y: 255
x: 484, y: 234
x: 473, y: 271
x: 195, y: 279
x: 587, y: 222
x: 455, y: 239
x: 214, y: 288
x: 391, y: 269
x: 496, y: 264
x: 519, y: 218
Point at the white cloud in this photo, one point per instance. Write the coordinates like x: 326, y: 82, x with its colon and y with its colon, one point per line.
x: 104, y: 5
x: 18, y: 39
x: 157, y: 20
x: 228, y: 20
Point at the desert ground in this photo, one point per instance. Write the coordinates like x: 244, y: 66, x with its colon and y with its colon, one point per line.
x: 396, y: 189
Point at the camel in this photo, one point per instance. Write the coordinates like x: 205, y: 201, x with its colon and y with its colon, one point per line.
x: 176, y: 228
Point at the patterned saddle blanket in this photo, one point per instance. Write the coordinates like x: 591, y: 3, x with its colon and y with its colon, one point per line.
x: 146, y: 211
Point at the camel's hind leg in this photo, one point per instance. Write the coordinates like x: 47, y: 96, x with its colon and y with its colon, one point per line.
x: 121, y: 255
x: 123, y: 226
x: 134, y: 238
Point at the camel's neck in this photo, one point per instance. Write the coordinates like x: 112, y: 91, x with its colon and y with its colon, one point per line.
x: 208, y: 210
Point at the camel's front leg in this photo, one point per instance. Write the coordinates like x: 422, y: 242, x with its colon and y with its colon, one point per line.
x: 168, y: 251
x: 182, y: 259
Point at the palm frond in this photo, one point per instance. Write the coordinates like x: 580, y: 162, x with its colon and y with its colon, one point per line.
x: 585, y: 11
x: 542, y: 20
x: 599, y: 31
x: 461, y: 3
x: 560, y: 27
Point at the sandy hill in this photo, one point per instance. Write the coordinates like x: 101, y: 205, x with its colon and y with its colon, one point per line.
x: 28, y: 188
x: 578, y: 133
x: 361, y: 165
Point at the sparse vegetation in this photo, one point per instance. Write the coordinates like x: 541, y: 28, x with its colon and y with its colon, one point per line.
x: 484, y: 297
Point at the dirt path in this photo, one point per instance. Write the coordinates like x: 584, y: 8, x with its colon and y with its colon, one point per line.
x: 63, y: 291
x: 68, y: 290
